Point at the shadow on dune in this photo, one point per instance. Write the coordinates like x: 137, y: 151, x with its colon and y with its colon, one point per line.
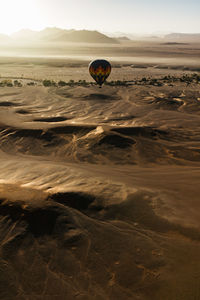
x: 100, y: 97
x: 23, y: 112
x: 39, y: 221
x: 8, y: 104
x: 53, y: 119
x: 79, y: 201
x: 114, y: 140
x: 71, y: 129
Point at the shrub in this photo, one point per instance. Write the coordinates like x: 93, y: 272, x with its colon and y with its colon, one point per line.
x: 62, y: 83
x: 17, y: 83
x: 6, y: 82
x: 31, y: 83
x: 48, y: 82
x: 71, y: 82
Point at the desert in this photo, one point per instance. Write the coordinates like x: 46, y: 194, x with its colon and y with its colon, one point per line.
x: 100, y: 187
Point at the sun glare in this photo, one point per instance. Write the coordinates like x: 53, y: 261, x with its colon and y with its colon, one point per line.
x: 15, y: 15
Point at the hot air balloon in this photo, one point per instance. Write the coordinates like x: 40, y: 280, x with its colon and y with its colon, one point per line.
x: 100, y: 70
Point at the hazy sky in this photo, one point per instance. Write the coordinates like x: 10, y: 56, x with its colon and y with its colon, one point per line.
x: 141, y: 16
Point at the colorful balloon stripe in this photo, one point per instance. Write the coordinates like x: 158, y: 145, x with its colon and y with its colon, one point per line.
x: 100, y: 70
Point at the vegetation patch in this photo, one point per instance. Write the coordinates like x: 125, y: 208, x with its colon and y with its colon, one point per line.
x: 168, y: 79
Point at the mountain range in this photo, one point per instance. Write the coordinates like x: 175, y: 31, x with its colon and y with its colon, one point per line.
x: 59, y: 35
x: 53, y: 35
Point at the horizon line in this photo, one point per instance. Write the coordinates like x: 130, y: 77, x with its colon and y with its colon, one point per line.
x: 104, y: 32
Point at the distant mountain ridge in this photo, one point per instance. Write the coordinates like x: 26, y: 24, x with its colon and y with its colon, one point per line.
x: 54, y: 34
x: 85, y: 36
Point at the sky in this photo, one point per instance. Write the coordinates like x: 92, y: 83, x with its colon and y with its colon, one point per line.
x: 129, y: 16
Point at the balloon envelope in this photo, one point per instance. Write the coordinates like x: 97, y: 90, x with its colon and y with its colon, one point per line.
x: 100, y: 70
